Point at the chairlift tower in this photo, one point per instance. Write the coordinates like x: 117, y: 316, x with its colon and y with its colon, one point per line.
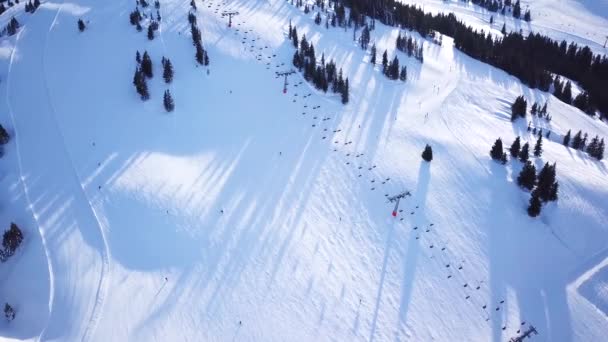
x: 229, y: 15
x: 285, y: 73
x: 396, y: 199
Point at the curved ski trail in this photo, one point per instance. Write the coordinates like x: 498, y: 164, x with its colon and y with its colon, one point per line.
x: 55, y: 193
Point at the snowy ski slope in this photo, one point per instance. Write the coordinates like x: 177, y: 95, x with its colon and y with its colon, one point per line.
x: 252, y: 215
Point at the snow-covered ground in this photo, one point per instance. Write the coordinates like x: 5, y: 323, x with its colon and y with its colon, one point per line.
x: 252, y: 215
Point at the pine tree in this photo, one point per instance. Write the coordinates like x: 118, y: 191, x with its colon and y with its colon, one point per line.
x: 193, y: 4
x: 4, y: 137
x: 518, y: 108
x: 567, y: 95
x: 535, y: 205
x: 139, y: 80
x: 504, y: 29
x: 543, y: 111
x: 567, y: 139
x: 168, y: 71
x: 9, y: 312
x: 427, y: 154
x: 527, y: 176
x: 294, y: 38
x: 373, y: 54
x: 200, y: 54
x: 600, y: 150
x: 146, y: 65
x: 534, y: 109
x: 593, y: 146
x: 81, y: 25
x: 517, y: 10
x: 318, y: 18
x: 497, y: 151
x: 577, y: 140
x: 515, y: 148
x: 524, y: 154
x: 547, y: 185
x: 345, y: 92
x: 384, y: 62
x: 527, y: 16
x: 150, y: 32
x: 583, y: 142
x: 168, y: 101
x: 138, y: 57
x: 403, y: 73
x: 365, y: 37
x: 538, y: 148
x: 11, y: 240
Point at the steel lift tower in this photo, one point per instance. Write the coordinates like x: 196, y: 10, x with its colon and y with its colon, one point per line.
x: 285, y: 73
x: 229, y: 15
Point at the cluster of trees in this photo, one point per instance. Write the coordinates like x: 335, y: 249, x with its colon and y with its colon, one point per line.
x: 519, y: 108
x: 167, y: 70
x: 538, y: 131
x: 31, y: 7
x: 322, y: 75
x: 11, y: 28
x: 136, y: 17
x: 410, y: 46
x: 546, y: 185
x: 201, y: 55
x: 503, y: 6
x: 562, y: 90
x: 143, y: 71
x: 11, y: 240
x: 517, y: 151
x: 595, y: 148
x: 541, y: 112
x: 392, y: 70
x: 153, y: 27
x: 532, y: 58
x: 546, y: 189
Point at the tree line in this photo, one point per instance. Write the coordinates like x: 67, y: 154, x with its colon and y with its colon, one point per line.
x: 323, y: 76
x: 544, y: 186
x: 532, y: 58
x: 595, y: 148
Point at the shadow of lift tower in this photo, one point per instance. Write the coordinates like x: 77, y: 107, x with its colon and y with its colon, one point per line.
x: 527, y: 333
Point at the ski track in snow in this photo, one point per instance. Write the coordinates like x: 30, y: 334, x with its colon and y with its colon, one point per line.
x: 105, y: 269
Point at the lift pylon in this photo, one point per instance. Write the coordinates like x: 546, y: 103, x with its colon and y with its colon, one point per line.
x: 396, y: 199
x: 229, y: 15
x: 285, y: 73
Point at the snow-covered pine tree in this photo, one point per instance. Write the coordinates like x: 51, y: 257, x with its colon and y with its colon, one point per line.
x: 535, y: 205
x: 527, y: 176
x: 427, y: 154
x: 538, y: 148
x: 524, y: 154
x: 515, y: 148
x: 168, y: 101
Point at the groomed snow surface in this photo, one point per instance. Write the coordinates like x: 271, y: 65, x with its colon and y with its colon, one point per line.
x: 252, y: 215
